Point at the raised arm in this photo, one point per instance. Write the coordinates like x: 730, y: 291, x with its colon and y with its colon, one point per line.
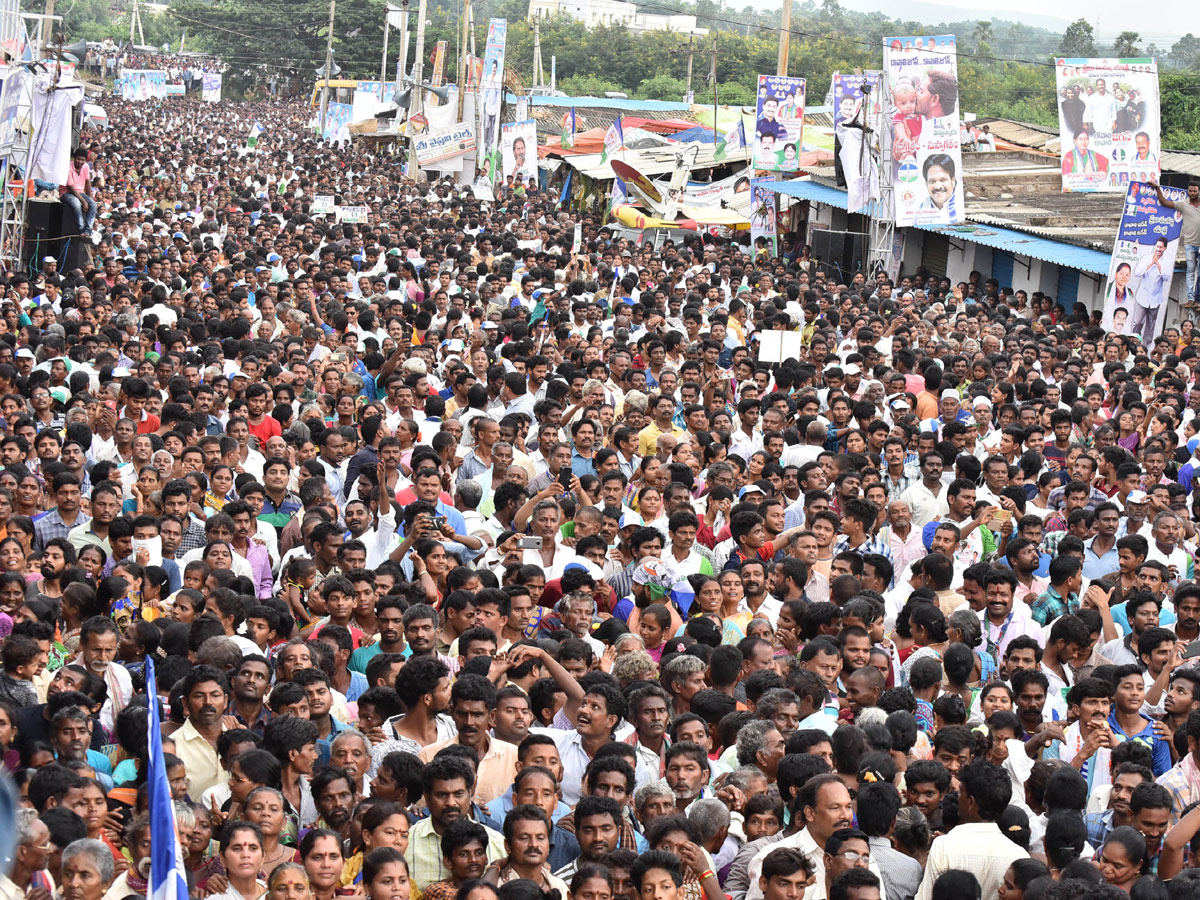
x: 564, y: 679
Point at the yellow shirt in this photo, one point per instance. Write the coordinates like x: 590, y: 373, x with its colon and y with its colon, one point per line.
x: 496, y: 770
x: 648, y: 438
x: 199, y: 757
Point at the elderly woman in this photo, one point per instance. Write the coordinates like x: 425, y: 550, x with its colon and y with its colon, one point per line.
x: 87, y: 870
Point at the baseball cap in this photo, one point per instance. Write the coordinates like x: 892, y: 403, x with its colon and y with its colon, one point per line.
x: 1137, y: 497
x: 852, y: 369
x: 25, y: 353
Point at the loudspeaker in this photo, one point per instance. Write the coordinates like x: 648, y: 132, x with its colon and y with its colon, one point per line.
x: 43, y: 231
x: 46, y: 224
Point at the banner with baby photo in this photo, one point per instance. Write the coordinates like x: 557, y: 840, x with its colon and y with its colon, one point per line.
x: 779, y: 123
x: 1143, y: 263
x: 921, y: 118
x: 1108, y: 119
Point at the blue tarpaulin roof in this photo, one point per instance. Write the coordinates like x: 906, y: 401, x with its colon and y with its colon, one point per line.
x: 699, y: 134
x: 1020, y: 243
x: 814, y: 191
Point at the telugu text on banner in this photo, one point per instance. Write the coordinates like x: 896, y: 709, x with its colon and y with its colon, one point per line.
x: 1108, y: 118
x: 921, y: 118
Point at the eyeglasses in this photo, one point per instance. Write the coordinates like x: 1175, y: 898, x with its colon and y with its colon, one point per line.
x: 854, y: 856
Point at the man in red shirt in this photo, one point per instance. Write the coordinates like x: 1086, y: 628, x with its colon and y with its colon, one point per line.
x: 262, y: 426
x: 135, y: 393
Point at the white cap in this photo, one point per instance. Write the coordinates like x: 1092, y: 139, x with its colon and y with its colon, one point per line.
x: 852, y: 369
x: 981, y: 401
x: 950, y: 394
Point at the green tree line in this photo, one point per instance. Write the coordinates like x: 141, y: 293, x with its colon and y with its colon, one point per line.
x: 1004, y: 67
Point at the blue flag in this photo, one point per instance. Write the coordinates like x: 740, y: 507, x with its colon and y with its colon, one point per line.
x: 168, y: 880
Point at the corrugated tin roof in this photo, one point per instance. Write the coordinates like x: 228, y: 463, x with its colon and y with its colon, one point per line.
x: 1179, y: 161
x: 1070, y: 255
x: 1018, y: 242
x: 1039, y: 137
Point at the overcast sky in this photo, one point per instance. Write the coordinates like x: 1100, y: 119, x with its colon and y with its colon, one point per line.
x: 1108, y: 17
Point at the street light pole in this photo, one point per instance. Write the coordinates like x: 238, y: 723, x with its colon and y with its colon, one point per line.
x: 328, y: 67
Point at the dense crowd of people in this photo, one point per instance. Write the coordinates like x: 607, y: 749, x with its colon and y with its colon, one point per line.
x: 479, y: 561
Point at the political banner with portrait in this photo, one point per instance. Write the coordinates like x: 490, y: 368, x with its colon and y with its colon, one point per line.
x: 210, y: 87
x: 491, y: 88
x: 518, y: 149
x: 779, y: 123
x: 764, y: 225
x: 1143, y: 262
x: 142, y: 84
x: 857, y: 124
x: 1108, y: 118
x: 921, y: 126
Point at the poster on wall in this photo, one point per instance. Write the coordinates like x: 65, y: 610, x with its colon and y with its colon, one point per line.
x: 764, y: 220
x: 210, y: 87
x: 1108, y: 119
x: 857, y: 123
x: 921, y: 119
x: 518, y: 149
x: 779, y: 123
x: 492, y: 86
x: 1143, y: 263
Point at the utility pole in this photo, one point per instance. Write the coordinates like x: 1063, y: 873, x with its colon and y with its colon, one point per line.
x: 691, y: 50
x: 785, y: 37
x: 463, y: 68
x: 135, y: 20
x: 539, y: 76
x: 48, y: 25
x: 402, y: 62
x: 387, y: 30
x: 418, y: 97
x: 713, y: 78
x: 328, y: 67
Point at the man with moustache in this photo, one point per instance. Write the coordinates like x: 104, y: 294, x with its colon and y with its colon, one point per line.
x: 205, y: 699
x: 472, y: 706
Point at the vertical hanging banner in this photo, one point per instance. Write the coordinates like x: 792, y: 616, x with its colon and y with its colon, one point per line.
x: 492, y: 86
x: 438, y: 77
x: 779, y: 123
x: 1108, y: 118
x: 1143, y: 263
x: 857, y: 126
x: 764, y: 230
x: 518, y: 149
x: 921, y: 117
x: 210, y: 87
x: 13, y: 85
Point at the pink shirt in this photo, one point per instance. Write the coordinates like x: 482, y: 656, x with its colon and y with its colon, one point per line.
x: 78, y: 179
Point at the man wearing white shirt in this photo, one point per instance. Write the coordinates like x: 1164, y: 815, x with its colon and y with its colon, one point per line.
x: 813, y: 446
x: 1164, y: 545
x: 927, y: 498
x: 824, y: 807
x: 976, y: 844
